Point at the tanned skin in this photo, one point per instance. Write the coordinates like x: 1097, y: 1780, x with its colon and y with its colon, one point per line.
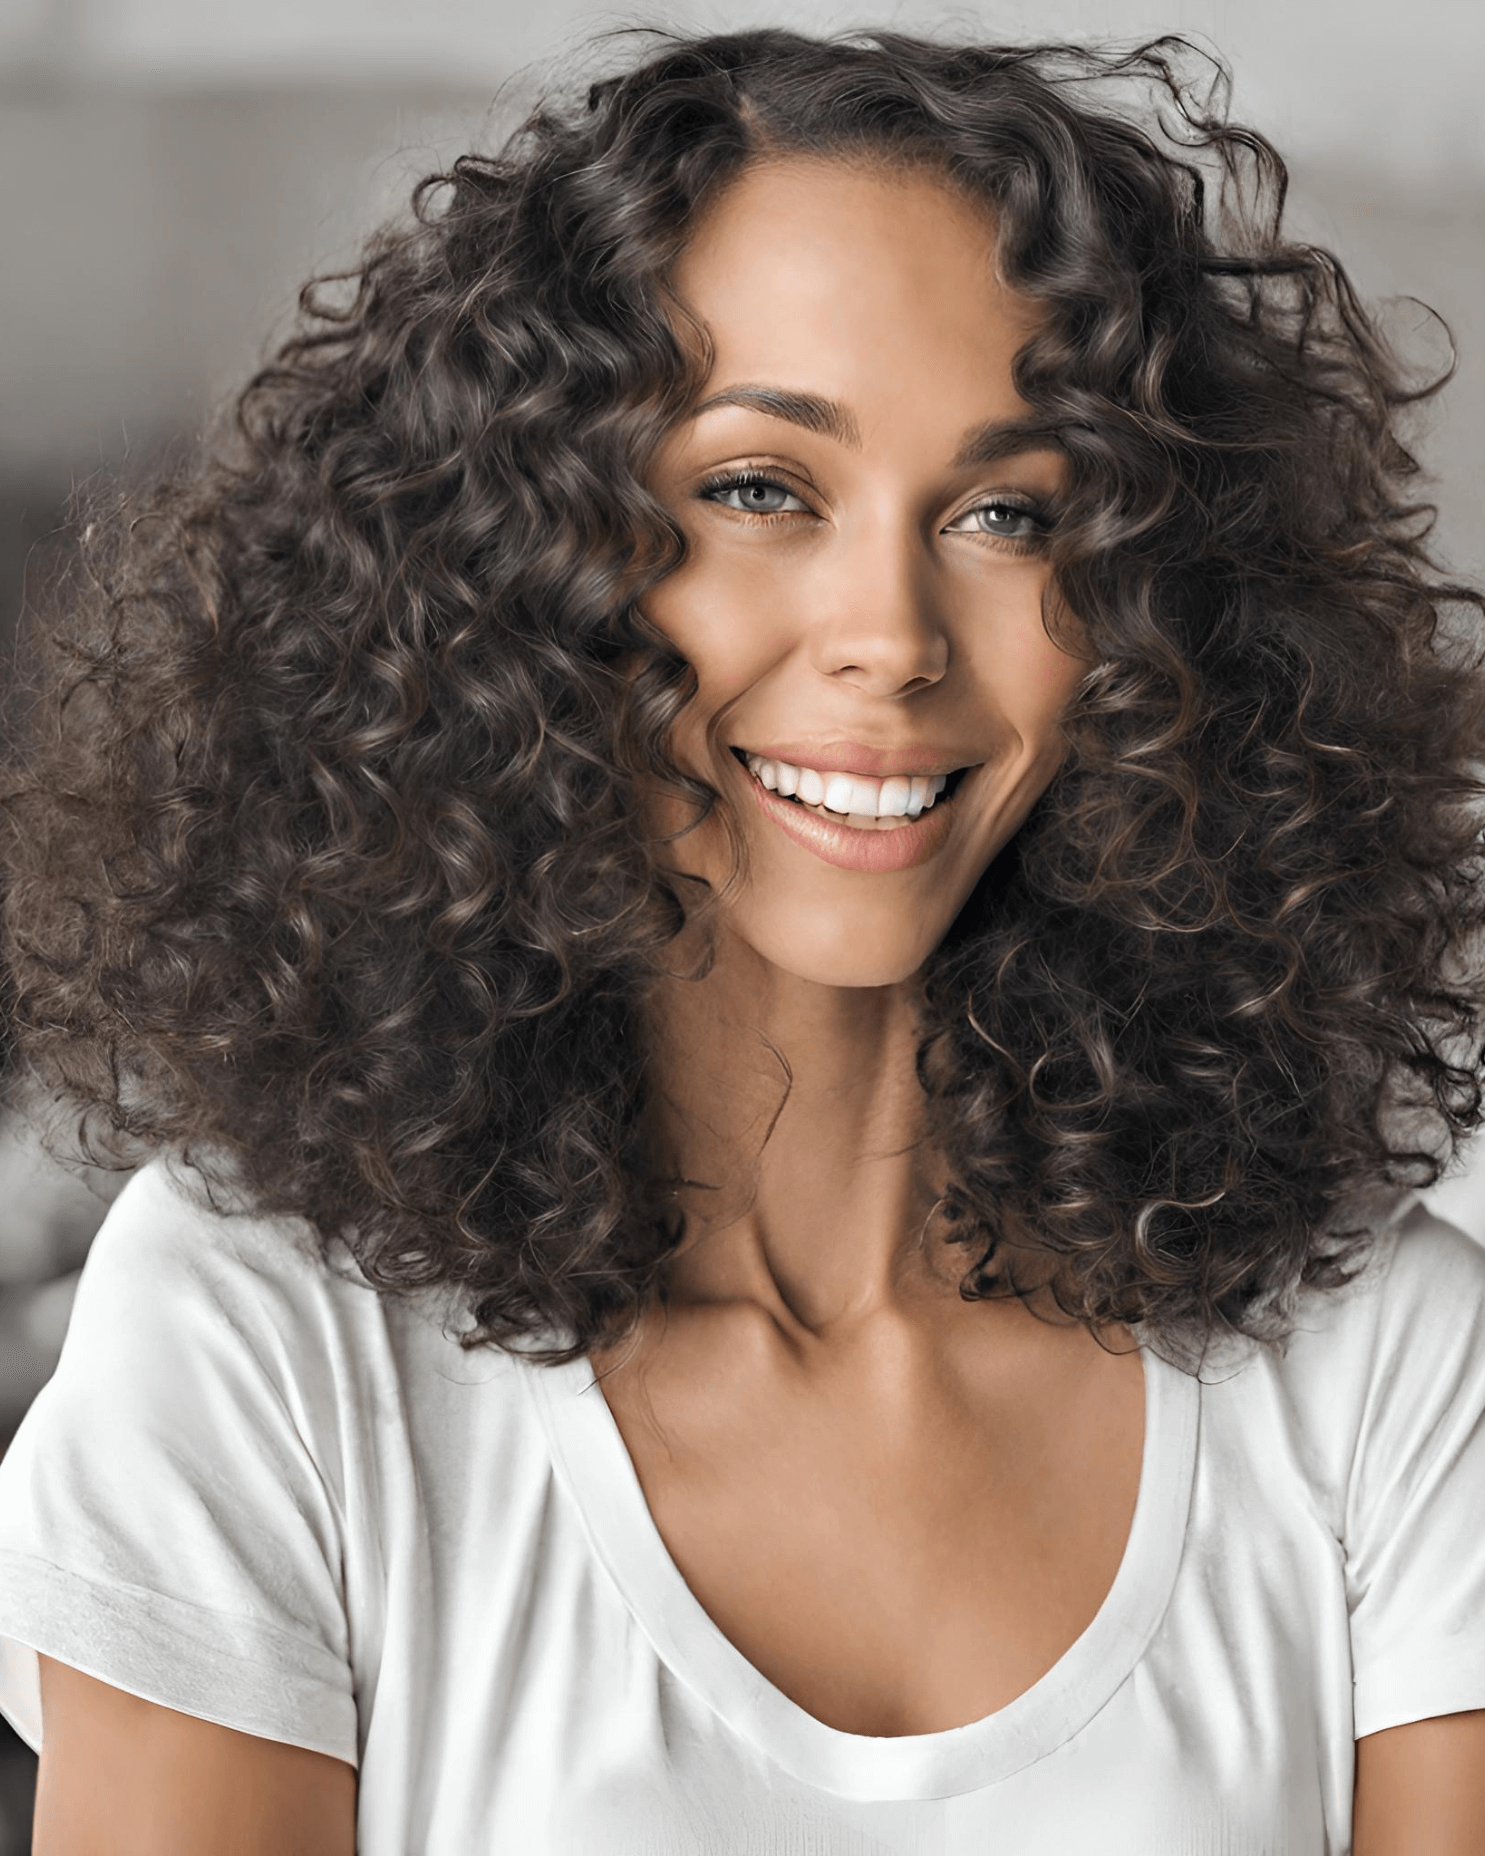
x: 934, y: 1496
x: 121, y: 1777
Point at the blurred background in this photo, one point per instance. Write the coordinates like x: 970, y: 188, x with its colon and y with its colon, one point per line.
x: 172, y: 170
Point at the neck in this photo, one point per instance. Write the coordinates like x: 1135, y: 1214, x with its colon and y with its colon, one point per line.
x: 795, y: 1109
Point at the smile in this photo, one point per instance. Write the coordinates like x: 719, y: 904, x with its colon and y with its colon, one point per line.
x: 852, y: 821
x: 857, y: 797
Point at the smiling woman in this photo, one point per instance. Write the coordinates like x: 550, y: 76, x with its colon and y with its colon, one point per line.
x: 775, y: 866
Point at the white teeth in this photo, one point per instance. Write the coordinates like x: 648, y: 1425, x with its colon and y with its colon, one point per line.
x: 850, y: 795
x: 845, y: 795
x: 896, y: 793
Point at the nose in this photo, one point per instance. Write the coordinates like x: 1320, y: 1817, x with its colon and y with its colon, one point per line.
x: 879, y: 625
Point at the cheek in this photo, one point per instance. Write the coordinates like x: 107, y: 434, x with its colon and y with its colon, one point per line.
x: 1032, y: 679
x: 724, y: 619
x: 1054, y: 676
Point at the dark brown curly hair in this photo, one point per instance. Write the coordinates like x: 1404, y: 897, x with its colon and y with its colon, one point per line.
x: 323, y: 854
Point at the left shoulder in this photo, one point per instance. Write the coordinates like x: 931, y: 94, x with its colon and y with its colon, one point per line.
x: 1431, y: 1254
x: 1423, y: 1301
x: 1417, y: 1299
x: 1369, y: 1370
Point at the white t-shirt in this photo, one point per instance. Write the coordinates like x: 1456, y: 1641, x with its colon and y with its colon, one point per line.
x: 259, y: 1493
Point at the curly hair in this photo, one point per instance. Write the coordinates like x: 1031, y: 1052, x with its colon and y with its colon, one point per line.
x: 324, y: 853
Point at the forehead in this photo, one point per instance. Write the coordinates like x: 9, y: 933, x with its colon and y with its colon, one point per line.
x: 855, y: 280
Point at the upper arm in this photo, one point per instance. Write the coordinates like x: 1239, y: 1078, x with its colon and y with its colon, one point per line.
x: 124, y: 1775
x: 1420, y: 1788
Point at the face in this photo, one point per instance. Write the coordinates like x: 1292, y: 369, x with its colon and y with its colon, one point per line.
x: 866, y: 576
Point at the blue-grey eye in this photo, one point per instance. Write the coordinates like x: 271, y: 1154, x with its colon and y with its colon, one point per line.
x: 1010, y: 520
x: 754, y: 496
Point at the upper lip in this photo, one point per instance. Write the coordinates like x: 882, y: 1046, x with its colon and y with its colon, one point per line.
x: 856, y: 757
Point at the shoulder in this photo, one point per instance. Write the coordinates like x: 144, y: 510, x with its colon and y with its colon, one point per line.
x: 1429, y: 1293
x: 1370, y: 1382
x: 176, y: 1274
x: 1416, y: 1294
x: 178, y: 1247
x: 1415, y: 1308
x: 171, y: 1225
x: 183, y: 1287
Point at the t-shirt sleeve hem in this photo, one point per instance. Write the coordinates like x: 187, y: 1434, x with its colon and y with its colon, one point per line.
x: 236, y: 1672
x: 1392, y: 1697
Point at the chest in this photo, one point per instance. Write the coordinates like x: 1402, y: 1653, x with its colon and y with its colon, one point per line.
x: 1211, y: 1707
x: 902, y: 1554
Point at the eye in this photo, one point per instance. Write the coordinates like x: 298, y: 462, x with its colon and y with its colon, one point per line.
x: 1006, y: 520
x: 751, y: 494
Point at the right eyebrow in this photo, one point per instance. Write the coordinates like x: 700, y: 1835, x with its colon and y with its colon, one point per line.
x: 826, y: 417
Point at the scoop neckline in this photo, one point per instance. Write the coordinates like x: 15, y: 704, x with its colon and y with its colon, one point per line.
x: 593, y: 1465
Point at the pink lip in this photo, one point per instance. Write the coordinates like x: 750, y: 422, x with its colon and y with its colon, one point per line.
x: 856, y: 757
x: 850, y: 849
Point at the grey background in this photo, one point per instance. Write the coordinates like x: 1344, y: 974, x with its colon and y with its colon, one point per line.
x: 172, y: 170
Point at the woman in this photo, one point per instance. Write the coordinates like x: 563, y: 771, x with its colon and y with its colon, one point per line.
x: 800, y: 785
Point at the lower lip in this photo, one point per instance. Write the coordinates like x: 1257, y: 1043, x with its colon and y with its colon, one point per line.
x: 850, y: 849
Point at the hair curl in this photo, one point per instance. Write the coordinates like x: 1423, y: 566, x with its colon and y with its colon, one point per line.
x: 324, y: 857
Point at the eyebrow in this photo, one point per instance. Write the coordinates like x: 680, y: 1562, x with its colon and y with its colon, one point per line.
x: 813, y: 411
x: 982, y: 444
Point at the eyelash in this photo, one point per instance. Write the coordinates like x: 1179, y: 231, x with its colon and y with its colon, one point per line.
x: 716, y: 487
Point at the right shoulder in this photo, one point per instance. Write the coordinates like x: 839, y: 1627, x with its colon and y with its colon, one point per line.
x: 172, y: 1229
x: 179, y: 1259
x: 182, y: 1279
x: 180, y: 1289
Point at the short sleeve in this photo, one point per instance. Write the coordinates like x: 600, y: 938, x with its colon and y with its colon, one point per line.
x: 1415, y: 1524
x: 170, y: 1520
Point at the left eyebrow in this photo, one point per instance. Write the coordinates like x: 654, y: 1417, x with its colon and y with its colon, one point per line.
x: 988, y: 443
x: 997, y: 439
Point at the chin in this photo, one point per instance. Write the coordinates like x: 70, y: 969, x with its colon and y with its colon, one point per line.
x: 840, y: 951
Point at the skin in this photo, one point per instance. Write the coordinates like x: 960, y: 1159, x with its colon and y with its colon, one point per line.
x: 933, y: 1496
x: 121, y: 1776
